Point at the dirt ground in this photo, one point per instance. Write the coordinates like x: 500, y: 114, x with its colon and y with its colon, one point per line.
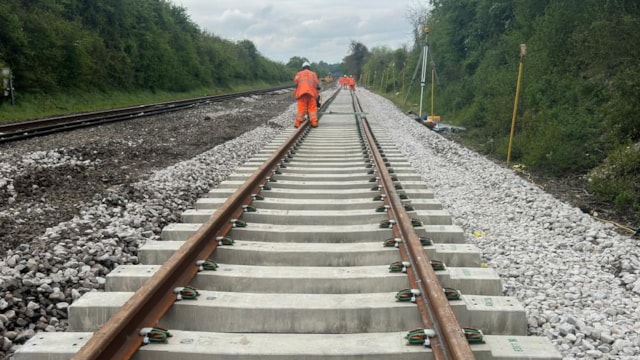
x: 119, y: 153
x: 126, y: 152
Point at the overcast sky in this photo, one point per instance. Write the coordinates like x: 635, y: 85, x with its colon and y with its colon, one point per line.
x: 317, y: 30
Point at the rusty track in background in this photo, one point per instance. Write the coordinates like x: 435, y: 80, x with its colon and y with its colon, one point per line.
x: 45, y: 126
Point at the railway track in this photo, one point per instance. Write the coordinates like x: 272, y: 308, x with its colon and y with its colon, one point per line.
x: 40, y: 127
x: 325, y: 245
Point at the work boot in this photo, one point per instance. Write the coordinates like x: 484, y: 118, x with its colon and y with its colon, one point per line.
x: 314, y: 124
x: 296, y: 124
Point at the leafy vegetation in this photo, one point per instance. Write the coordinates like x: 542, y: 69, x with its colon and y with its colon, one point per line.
x: 578, y: 110
x: 616, y: 180
x: 138, y: 46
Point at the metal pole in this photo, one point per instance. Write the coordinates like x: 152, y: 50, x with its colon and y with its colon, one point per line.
x: 424, y: 75
x: 404, y: 68
x: 523, y: 52
x: 433, y: 72
x: 393, y: 76
x: 424, y: 67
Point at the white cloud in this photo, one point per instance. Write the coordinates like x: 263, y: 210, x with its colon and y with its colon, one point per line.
x: 318, y: 30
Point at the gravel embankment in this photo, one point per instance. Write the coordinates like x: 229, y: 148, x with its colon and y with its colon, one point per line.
x: 577, y: 277
x: 60, y: 184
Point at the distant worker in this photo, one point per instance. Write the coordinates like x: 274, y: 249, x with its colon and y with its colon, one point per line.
x: 352, y: 83
x: 307, y: 88
x: 344, y: 81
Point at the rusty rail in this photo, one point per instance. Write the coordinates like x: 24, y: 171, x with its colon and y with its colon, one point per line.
x: 20, y: 130
x: 119, y: 337
x: 434, y: 308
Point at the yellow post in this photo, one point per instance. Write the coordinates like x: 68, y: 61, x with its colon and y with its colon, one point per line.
x: 523, y: 52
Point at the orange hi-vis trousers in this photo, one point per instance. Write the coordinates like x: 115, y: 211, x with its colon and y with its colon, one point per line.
x: 307, y: 103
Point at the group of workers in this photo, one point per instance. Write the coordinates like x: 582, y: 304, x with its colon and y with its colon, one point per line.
x: 347, y: 82
x: 307, y: 93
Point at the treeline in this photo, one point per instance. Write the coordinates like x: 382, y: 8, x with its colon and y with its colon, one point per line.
x: 579, y: 105
x: 123, y: 45
x: 321, y: 68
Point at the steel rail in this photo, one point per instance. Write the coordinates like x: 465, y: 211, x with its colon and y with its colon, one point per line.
x: 45, y: 126
x: 426, y: 315
x: 454, y: 344
x: 119, y: 338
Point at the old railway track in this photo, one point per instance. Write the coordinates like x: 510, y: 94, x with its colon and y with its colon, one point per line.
x: 326, y: 245
x: 45, y: 126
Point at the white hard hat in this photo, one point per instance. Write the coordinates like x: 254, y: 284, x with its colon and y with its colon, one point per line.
x: 306, y: 64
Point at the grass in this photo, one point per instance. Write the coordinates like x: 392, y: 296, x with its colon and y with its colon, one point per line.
x: 406, y: 104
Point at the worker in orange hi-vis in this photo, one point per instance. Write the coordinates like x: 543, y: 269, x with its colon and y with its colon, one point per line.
x: 352, y: 83
x: 307, y: 87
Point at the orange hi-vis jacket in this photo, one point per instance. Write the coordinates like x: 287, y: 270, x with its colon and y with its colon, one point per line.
x: 307, y: 83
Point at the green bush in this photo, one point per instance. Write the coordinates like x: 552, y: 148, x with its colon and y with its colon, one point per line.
x: 617, y: 179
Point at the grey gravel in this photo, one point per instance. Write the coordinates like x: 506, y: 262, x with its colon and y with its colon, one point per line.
x: 45, y: 271
x: 578, y: 279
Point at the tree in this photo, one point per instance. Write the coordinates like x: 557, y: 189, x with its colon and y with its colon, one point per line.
x: 354, y: 62
x: 295, y: 62
x: 124, y: 45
